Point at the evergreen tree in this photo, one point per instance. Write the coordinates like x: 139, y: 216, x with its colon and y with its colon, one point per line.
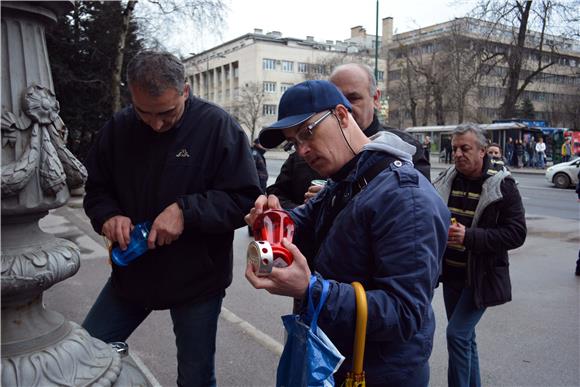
x: 81, y: 50
x: 527, y: 110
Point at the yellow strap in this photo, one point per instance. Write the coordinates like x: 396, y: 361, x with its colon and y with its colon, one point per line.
x: 361, y: 328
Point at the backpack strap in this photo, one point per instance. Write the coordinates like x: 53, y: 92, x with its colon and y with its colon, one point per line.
x: 371, y: 173
x: 335, y: 206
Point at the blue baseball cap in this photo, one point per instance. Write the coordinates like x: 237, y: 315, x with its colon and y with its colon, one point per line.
x: 298, y: 104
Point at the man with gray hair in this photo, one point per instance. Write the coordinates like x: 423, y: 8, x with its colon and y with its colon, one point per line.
x: 185, y: 166
x: 488, y: 220
x: 358, y: 84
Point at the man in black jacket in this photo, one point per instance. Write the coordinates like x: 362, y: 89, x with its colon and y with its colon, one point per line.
x: 358, y: 84
x: 489, y: 221
x: 184, y: 165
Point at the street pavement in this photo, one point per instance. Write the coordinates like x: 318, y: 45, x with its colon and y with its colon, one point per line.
x: 531, y: 341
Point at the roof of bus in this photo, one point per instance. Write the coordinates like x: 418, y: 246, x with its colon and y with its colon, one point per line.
x: 450, y: 128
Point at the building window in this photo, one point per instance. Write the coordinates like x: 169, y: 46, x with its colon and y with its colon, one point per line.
x: 394, y: 75
x: 381, y: 75
x: 268, y: 64
x: 302, y: 67
x: 287, y: 66
x: 269, y: 87
x: 285, y: 86
x: 268, y: 110
x: 319, y: 69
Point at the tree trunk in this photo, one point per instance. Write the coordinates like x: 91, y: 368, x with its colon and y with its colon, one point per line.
x: 439, y: 113
x: 427, y: 107
x: 118, y: 64
x: 508, y: 106
x: 412, y: 99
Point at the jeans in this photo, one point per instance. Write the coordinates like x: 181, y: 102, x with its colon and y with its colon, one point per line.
x: 541, y: 160
x: 462, y: 316
x: 195, y: 325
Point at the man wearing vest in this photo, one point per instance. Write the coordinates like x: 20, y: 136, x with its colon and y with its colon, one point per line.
x: 488, y: 221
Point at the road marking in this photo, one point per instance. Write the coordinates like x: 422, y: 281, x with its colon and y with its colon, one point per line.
x: 557, y: 190
x: 261, y: 337
x: 143, y: 368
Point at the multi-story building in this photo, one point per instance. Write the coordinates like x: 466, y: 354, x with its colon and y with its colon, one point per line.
x: 248, y: 75
x: 454, y: 72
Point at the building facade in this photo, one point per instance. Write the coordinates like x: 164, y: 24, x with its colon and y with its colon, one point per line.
x: 248, y: 75
x: 456, y: 72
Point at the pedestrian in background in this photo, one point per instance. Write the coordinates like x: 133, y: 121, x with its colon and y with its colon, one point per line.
x: 566, y: 150
x: 519, y: 152
x: 490, y: 220
x: 446, y: 146
x: 541, y: 152
x: 427, y: 147
x: 258, y: 152
x: 578, y: 193
x: 185, y: 165
x: 357, y: 82
x: 509, y: 151
x: 498, y: 162
x: 378, y: 221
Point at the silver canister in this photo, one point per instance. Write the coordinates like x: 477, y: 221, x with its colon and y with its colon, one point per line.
x: 261, y: 256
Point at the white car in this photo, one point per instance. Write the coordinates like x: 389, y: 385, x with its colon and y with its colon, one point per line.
x: 564, y: 175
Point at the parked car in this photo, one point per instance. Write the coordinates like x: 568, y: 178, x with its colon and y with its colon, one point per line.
x: 564, y: 175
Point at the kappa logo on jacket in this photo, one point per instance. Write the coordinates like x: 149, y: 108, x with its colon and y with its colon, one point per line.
x: 182, y: 154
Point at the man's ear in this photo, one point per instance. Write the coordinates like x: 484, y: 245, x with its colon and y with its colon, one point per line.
x: 186, y: 89
x: 341, y: 113
x: 377, y: 99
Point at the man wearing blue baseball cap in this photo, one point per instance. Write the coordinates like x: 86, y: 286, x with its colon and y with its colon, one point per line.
x: 377, y: 221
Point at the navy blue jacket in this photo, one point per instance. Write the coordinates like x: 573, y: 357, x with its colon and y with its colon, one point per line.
x: 391, y: 237
x: 204, y: 161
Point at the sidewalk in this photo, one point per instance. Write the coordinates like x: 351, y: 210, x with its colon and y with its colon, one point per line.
x: 545, y: 295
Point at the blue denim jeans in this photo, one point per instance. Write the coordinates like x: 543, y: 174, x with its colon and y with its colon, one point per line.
x: 462, y: 317
x: 195, y: 325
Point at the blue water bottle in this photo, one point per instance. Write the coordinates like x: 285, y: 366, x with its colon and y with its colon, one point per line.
x: 137, y: 245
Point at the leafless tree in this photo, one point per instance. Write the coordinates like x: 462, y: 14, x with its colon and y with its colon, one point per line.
x: 512, y: 22
x: 156, y: 18
x: 468, y: 58
x: 120, y: 54
x: 247, y: 108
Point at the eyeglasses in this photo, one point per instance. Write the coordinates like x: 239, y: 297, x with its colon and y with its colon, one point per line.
x: 304, y: 134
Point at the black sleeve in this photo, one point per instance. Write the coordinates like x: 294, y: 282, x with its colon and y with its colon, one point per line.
x: 510, y: 231
x: 292, y: 182
x: 100, y: 202
x: 420, y: 159
x: 235, y: 188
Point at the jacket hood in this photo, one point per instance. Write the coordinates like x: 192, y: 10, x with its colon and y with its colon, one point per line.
x: 391, y: 143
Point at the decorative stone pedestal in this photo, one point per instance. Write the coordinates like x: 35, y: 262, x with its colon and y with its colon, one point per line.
x: 40, y: 347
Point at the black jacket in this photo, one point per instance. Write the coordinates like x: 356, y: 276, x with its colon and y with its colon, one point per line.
x: 295, y: 175
x: 204, y: 162
x: 499, y: 225
x: 261, y: 168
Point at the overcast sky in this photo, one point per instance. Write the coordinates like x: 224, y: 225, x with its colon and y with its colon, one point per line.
x: 324, y: 19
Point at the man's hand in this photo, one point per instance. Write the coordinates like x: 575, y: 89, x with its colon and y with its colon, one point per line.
x: 456, y: 234
x: 313, y: 190
x: 167, y: 227
x: 262, y: 204
x: 118, y: 229
x: 289, y: 281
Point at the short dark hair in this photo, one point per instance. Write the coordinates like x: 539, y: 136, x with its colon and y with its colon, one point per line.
x: 156, y: 72
x: 496, y: 145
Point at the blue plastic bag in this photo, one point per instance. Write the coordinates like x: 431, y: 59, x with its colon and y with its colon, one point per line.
x: 309, y: 357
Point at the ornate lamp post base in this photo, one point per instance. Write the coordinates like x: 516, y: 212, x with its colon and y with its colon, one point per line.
x: 40, y: 347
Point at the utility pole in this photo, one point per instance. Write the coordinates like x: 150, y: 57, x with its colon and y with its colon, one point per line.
x: 377, y: 44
